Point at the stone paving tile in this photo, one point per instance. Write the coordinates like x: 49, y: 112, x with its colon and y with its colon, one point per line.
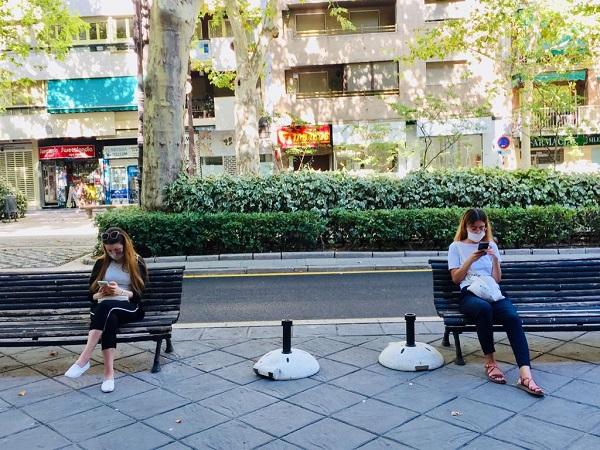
x: 532, y: 433
x: 474, y: 416
x: 214, y: 360
x: 356, y: 356
x: 150, y: 403
x: 137, y: 436
x: 238, y: 401
x: 34, y: 392
x: 187, y: 349
x: 375, y: 416
x: 591, y: 338
x: 320, y: 347
x: 561, y: 365
x: 359, y: 329
x: 325, y: 399
x: 185, y: 421
x: 8, y: 363
x: 562, y: 335
x: 40, y: 437
x: 91, y: 423
x: 14, y: 421
x: 314, y: 330
x: 450, y: 381
x: 354, y: 340
x: 218, y: 344
x: 384, y: 444
x: 169, y: 374
x: 240, y: 373
x: 54, y: 367
x: 330, y: 370
x: 19, y: 377
x: 329, y: 434
x: 474, y: 366
x: 180, y: 335
x: 580, y: 391
x: 7, y: 351
x: 593, y: 376
x: 380, y: 343
x: 279, y: 445
x: 200, y: 387
x: 399, y: 375
x: 505, y: 353
x: 426, y: 433
x: 229, y: 435
x: 137, y: 363
x: 578, y: 351
x: 539, y: 343
x: 567, y: 413
x: 489, y: 444
x: 586, y: 442
x: 414, y: 397
x: 225, y: 333
x: 367, y: 383
x: 174, y: 446
x: 4, y: 406
x: 548, y: 381
x: 41, y: 354
x: 125, y: 386
x: 252, y: 349
x: 502, y: 395
x: 265, y: 332
x: 62, y: 406
x: 93, y: 377
x: 280, y: 418
x: 282, y: 389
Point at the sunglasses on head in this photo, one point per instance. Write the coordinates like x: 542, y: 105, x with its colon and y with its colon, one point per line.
x: 110, y: 236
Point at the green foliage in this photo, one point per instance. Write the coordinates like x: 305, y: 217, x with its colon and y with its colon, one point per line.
x: 163, y: 234
x: 321, y: 192
x: 6, y: 188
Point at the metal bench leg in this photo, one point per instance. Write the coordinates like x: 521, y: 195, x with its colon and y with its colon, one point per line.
x: 169, y: 348
x: 459, y: 357
x: 446, y: 339
x: 156, y: 365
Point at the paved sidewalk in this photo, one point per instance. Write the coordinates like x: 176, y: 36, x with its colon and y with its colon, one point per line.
x: 207, y: 396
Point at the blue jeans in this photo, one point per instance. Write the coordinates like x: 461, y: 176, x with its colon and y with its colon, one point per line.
x: 484, y: 314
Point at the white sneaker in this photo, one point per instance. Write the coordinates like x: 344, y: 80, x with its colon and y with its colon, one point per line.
x: 75, y: 371
x: 108, y: 385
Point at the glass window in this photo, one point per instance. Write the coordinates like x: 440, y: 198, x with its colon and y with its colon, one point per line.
x: 364, y: 19
x: 457, y: 151
x: 446, y: 72
x: 312, y: 82
x: 310, y: 22
x: 219, y: 29
x: 124, y: 28
x: 358, y: 77
x: 385, y: 75
x: 97, y: 31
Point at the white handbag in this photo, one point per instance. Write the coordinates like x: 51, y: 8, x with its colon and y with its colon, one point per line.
x: 484, y: 286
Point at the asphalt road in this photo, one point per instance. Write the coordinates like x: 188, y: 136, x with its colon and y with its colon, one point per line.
x: 297, y: 297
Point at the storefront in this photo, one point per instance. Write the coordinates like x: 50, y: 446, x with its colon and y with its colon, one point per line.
x: 120, y: 163
x: 305, y: 146
x: 65, y: 165
x: 551, y: 151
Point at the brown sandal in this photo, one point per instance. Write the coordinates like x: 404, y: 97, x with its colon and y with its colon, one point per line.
x: 525, y: 384
x: 497, y: 377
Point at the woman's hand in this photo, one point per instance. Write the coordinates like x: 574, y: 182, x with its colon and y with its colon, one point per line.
x: 112, y: 288
x: 490, y: 251
x: 475, y: 256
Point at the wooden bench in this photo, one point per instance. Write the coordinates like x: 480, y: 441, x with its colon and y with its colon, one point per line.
x: 41, y: 309
x: 557, y: 295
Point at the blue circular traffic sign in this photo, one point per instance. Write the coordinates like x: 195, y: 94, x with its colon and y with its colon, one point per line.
x: 503, y: 142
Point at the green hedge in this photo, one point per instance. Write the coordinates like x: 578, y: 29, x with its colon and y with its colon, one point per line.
x: 163, y: 234
x: 324, y: 191
x: 6, y: 188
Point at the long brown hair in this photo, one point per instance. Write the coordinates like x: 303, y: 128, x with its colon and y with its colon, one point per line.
x: 471, y: 216
x: 130, y: 259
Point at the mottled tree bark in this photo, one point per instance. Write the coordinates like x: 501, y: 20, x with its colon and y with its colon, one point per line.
x: 172, y: 26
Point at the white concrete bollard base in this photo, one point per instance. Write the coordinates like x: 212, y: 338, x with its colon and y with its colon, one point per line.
x: 398, y: 356
x: 287, y: 366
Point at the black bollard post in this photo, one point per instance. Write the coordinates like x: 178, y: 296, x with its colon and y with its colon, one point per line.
x: 287, y: 336
x: 410, y: 329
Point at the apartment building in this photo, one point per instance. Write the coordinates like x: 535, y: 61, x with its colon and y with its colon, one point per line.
x: 327, y: 89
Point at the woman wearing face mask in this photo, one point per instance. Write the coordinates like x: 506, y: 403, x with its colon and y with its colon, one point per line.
x: 466, y: 261
x: 116, y: 286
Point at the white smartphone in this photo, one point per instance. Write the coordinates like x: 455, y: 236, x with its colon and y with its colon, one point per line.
x: 102, y: 283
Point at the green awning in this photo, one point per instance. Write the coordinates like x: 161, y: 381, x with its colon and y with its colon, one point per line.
x: 572, y: 75
x: 92, y: 94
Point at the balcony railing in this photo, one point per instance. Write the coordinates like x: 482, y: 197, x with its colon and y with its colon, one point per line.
x: 338, y: 31
x: 334, y: 94
x: 587, y: 116
x: 23, y: 110
x: 203, y: 107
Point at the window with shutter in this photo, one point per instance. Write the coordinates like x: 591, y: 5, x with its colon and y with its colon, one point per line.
x: 16, y: 167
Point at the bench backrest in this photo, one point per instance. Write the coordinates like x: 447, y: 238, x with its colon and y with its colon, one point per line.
x: 64, y: 294
x: 531, y: 285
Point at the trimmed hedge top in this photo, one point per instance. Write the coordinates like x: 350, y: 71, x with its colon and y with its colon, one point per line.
x: 324, y: 191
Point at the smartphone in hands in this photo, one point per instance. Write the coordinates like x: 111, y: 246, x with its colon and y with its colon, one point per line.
x: 102, y: 283
x: 483, y: 246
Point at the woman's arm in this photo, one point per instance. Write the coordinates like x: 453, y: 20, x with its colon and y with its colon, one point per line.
x: 459, y: 274
x: 496, y: 270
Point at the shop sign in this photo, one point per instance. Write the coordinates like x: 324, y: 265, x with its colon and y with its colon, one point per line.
x: 120, y: 151
x: 67, y: 151
x: 564, y: 141
x: 304, y: 136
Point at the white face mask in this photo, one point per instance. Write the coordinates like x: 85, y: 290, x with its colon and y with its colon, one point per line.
x: 115, y: 256
x: 475, y: 237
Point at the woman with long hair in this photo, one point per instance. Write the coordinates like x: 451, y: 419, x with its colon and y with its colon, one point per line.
x: 469, y: 261
x: 116, y: 285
